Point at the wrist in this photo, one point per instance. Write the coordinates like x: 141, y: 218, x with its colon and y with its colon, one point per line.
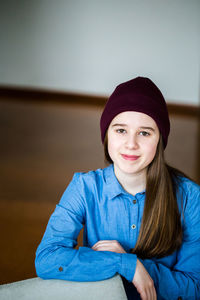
x: 128, y: 266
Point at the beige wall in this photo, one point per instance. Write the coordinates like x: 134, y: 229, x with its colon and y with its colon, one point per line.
x: 90, y: 46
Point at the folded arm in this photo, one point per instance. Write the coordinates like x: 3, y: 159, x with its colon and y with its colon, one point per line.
x: 56, y: 256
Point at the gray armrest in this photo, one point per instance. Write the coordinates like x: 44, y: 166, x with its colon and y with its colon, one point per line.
x: 39, y: 289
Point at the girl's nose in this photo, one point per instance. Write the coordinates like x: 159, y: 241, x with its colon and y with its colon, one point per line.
x: 131, y: 142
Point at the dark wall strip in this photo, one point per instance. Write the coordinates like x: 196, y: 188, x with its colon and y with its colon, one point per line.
x: 31, y: 94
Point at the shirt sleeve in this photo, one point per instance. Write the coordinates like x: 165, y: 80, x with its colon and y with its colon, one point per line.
x: 56, y: 257
x: 183, y: 280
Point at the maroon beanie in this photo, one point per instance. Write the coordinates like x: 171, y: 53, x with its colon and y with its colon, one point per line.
x: 141, y: 95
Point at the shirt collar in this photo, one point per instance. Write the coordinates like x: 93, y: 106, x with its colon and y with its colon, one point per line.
x: 112, y: 186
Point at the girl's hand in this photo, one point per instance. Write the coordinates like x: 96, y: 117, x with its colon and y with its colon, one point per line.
x: 144, y: 283
x: 108, y: 245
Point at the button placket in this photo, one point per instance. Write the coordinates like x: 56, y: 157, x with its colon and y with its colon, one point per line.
x: 133, y: 220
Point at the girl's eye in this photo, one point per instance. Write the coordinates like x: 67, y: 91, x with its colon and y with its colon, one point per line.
x: 120, y: 130
x: 144, y: 133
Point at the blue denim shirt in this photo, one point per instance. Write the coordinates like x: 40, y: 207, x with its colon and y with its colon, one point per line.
x: 98, y: 201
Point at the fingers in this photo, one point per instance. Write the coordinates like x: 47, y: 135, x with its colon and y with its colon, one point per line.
x: 153, y: 293
x: 149, y: 294
x: 102, y: 242
x: 108, y: 245
x: 104, y: 246
x: 100, y: 245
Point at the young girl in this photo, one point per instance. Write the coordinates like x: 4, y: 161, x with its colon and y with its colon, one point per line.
x: 141, y: 217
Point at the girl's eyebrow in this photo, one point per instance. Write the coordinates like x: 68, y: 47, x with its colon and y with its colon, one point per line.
x: 150, y: 128
x: 125, y: 125
x: 118, y: 124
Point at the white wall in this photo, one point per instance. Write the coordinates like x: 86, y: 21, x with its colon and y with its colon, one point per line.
x: 89, y: 46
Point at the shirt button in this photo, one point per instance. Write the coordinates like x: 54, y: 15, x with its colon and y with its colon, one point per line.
x: 134, y: 201
x: 60, y: 269
x: 133, y: 226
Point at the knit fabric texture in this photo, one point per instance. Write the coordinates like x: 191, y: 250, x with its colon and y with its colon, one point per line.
x: 141, y: 95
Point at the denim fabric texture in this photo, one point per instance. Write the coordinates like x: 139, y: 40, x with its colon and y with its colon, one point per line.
x: 97, y: 201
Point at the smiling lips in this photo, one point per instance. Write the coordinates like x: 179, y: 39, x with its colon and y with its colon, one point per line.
x: 130, y: 157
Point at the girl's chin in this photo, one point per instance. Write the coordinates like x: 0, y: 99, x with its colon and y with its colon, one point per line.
x: 131, y: 171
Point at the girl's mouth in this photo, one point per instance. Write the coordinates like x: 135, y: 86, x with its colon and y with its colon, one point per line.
x: 130, y: 157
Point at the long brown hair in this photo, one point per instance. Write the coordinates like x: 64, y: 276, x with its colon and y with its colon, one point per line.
x: 161, y: 231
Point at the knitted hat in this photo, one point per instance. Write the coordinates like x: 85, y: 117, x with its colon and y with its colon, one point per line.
x: 140, y: 95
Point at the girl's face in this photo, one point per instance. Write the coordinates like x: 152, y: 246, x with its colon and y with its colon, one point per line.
x: 132, y: 142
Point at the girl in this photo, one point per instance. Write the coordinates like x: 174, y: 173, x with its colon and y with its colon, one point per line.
x: 141, y: 217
